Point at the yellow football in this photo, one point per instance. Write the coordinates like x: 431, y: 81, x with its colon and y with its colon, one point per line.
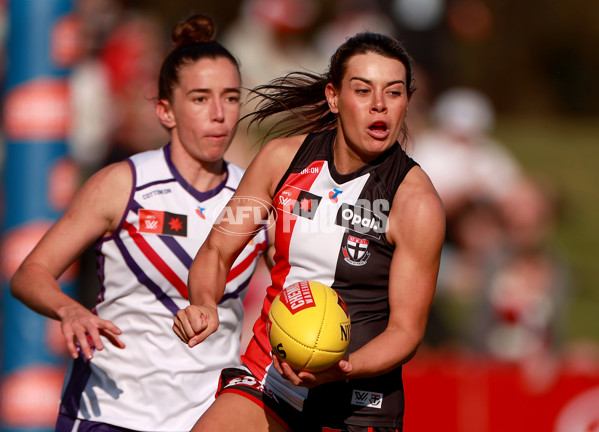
x: 309, y: 326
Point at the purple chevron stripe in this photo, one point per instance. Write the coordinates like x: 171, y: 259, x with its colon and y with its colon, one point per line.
x: 78, y: 379
x: 145, y: 280
x: 177, y: 249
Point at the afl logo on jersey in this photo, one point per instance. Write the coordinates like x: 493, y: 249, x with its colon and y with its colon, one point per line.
x: 355, y: 251
x: 162, y: 222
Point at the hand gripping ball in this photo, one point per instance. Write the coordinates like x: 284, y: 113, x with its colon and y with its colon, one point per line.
x: 309, y: 326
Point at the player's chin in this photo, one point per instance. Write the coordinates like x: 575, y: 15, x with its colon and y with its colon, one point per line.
x: 214, y: 153
x: 373, y: 148
x: 376, y: 146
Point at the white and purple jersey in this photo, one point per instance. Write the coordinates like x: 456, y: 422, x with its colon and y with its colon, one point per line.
x: 157, y: 383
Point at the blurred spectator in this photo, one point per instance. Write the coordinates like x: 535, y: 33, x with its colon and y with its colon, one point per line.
x: 523, y: 304
x: 473, y: 173
x: 132, y: 54
x: 91, y: 99
x: 475, y: 243
x: 113, y: 84
x: 269, y: 39
x: 502, y: 290
x: 90, y: 130
x: 463, y: 161
x: 349, y: 20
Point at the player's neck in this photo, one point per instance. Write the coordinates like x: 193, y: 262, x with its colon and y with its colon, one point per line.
x: 202, y: 175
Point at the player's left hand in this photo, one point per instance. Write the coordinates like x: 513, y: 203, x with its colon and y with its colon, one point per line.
x: 337, y: 372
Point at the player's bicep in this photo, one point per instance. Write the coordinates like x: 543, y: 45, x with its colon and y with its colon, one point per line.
x: 418, y: 233
x: 91, y: 214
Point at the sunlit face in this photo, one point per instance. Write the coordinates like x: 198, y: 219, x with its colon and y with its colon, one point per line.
x: 371, y: 104
x: 205, y: 107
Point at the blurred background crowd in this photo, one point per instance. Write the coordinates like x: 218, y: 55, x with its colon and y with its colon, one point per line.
x: 504, y: 121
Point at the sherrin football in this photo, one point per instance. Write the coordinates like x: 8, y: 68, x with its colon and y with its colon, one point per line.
x: 309, y: 326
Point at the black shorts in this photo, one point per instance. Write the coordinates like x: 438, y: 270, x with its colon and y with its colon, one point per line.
x: 324, y: 411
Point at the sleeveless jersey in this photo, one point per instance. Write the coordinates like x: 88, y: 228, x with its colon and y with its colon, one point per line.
x: 158, y: 383
x: 331, y: 228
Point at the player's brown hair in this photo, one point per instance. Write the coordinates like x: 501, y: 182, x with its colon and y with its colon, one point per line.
x: 299, y: 97
x: 193, y: 39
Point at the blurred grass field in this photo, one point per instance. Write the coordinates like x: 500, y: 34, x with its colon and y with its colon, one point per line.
x: 566, y: 152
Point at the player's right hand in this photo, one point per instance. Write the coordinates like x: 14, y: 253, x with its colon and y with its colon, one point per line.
x: 336, y: 372
x: 83, y: 329
x: 195, y: 323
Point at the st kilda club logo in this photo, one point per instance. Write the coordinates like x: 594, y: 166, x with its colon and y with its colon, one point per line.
x: 355, y: 251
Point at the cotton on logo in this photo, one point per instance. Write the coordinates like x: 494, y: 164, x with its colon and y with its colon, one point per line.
x: 37, y: 110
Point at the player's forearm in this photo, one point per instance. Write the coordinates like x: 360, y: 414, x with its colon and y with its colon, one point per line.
x: 384, y: 353
x: 36, y: 288
x: 207, y: 277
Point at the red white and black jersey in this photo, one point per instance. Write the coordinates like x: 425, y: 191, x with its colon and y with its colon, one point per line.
x: 331, y: 228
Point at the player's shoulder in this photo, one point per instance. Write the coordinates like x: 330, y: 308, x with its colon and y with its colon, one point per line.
x: 234, y: 174
x: 417, y: 200
x: 105, y: 194
x: 147, y: 156
x: 271, y: 162
x: 152, y: 165
x: 116, y: 173
x: 109, y: 186
x: 282, y: 148
x: 275, y: 157
x: 417, y: 185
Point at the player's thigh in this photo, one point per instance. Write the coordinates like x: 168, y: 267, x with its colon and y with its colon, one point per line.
x: 233, y: 413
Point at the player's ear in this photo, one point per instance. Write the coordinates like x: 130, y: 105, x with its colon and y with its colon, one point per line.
x: 165, y: 113
x: 331, y: 94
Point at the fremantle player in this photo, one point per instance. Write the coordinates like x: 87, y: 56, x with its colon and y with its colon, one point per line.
x: 354, y: 212
x: 149, y: 215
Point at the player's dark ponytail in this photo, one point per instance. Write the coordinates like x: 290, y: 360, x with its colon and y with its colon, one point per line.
x: 193, y: 39
x: 297, y: 101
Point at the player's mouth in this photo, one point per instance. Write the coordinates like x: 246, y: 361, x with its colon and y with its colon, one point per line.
x: 378, y: 130
x: 217, y: 137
